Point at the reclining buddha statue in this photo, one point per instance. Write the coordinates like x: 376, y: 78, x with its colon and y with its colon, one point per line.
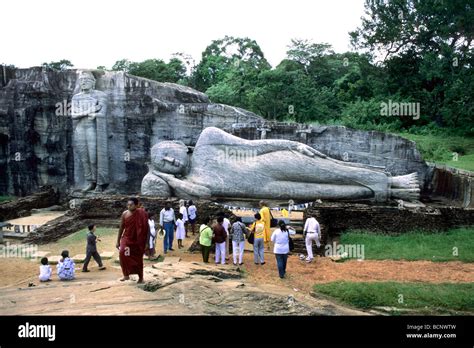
x: 226, y: 166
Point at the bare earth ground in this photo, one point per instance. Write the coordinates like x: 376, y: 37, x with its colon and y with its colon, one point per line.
x: 211, y: 289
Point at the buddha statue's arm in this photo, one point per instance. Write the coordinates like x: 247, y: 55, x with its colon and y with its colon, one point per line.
x: 101, y: 106
x: 78, y: 112
x: 216, y: 136
x: 272, y: 145
x: 186, y: 186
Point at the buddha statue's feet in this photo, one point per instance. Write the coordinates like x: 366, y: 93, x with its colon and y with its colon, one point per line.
x: 100, y: 188
x: 405, y: 187
x: 90, y: 187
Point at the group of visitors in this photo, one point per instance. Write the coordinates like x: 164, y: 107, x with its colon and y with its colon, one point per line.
x: 171, y: 224
x: 138, y: 233
x: 257, y: 234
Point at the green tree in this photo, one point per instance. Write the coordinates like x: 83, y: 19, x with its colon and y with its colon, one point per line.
x: 427, y: 52
x: 225, y: 56
x: 154, y: 69
x: 63, y: 64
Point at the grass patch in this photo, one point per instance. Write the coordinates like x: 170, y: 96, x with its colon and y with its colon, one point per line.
x: 441, y: 149
x: 4, y: 199
x: 416, y: 245
x: 80, y: 236
x: 76, y: 242
x: 417, y: 296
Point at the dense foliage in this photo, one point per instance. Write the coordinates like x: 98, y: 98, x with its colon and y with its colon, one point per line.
x: 409, y: 55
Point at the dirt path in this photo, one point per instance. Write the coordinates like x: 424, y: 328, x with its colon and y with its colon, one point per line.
x: 180, y: 291
x: 183, y: 288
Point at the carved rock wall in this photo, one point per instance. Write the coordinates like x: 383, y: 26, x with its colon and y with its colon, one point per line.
x: 36, y: 130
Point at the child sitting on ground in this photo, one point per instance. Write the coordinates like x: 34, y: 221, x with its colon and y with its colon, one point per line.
x: 45, y: 270
x: 65, y: 267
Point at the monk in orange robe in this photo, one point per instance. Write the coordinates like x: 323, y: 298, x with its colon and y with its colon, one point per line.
x: 132, y: 240
x: 266, y: 217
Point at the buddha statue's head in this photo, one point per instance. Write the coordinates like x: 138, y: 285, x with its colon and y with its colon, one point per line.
x: 170, y: 157
x: 86, y: 80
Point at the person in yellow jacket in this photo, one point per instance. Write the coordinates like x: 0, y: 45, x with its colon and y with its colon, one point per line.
x: 265, y: 214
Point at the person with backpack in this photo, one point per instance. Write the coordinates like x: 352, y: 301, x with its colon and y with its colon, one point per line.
x: 282, y: 244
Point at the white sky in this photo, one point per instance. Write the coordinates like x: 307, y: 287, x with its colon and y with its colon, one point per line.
x: 99, y: 32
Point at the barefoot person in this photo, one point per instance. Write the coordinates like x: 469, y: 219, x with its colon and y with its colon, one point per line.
x: 132, y: 240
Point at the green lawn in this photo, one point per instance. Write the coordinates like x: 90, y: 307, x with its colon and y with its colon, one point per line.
x: 422, y: 297
x: 416, y: 245
x: 80, y: 236
x: 76, y: 242
x: 6, y: 198
x: 454, y: 151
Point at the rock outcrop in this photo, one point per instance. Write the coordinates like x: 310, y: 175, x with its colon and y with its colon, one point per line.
x: 36, y: 130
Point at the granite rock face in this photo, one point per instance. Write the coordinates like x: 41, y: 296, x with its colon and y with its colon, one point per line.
x: 36, y: 130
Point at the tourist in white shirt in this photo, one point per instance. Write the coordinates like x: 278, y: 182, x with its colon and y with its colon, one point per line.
x: 168, y: 221
x: 184, y: 211
x: 45, y: 270
x: 311, y: 232
x: 281, y: 247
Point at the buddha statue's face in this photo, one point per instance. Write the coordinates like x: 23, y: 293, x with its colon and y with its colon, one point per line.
x: 86, y: 83
x: 169, y: 157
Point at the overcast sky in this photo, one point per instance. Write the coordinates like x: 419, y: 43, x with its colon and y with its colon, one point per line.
x: 91, y: 33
